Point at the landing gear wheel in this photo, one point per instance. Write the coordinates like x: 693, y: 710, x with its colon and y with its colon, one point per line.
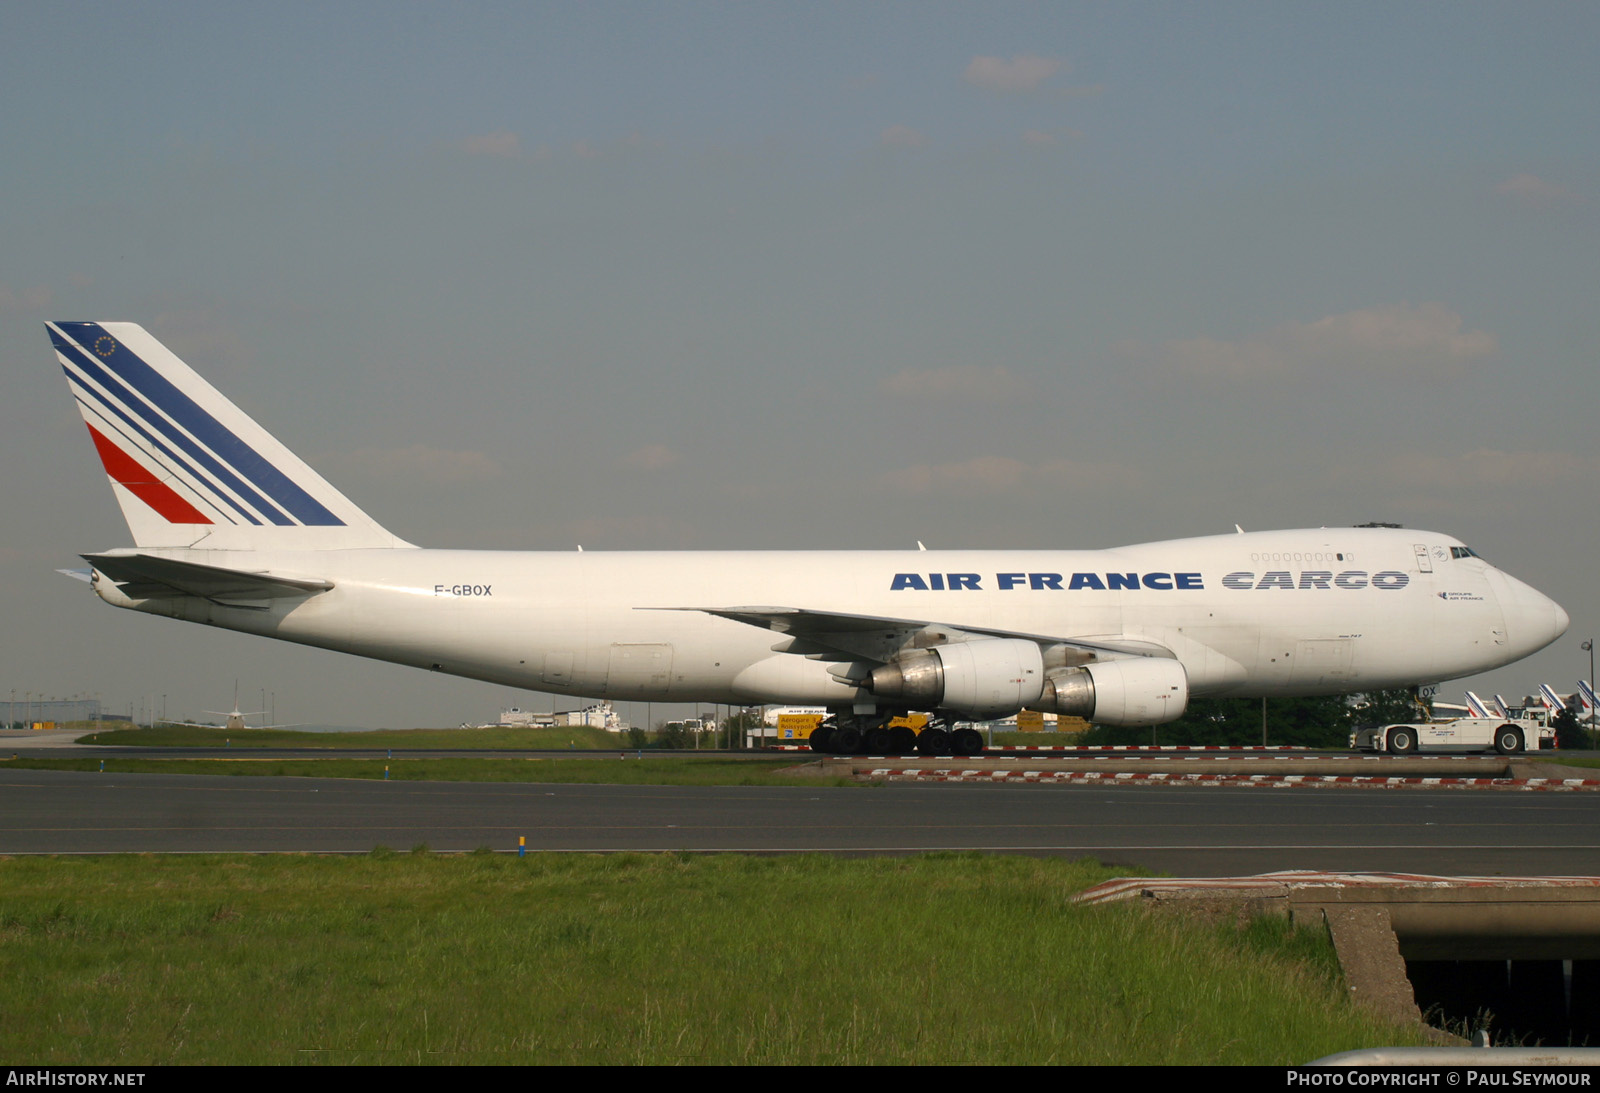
x: 876, y: 742
x: 1507, y: 741
x: 822, y: 738
x: 846, y: 740
x: 1402, y: 741
x: 902, y: 740
x: 933, y: 742
x: 966, y: 742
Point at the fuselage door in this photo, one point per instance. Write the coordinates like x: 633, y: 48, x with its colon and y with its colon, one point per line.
x: 639, y: 670
x: 1322, y: 662
x: 1424, y: 560
x: 558, y: 669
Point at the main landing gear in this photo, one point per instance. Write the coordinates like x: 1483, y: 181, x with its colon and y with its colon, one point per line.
x: 850, y: 734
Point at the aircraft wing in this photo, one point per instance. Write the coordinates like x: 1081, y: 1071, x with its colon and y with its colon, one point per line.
x: 832, y: 635
x: 145, y: 576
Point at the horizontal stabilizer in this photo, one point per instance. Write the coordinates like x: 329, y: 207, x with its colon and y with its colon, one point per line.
x: 145, y: 576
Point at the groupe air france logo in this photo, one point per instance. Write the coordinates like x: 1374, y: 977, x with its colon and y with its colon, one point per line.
x: 105, y: 345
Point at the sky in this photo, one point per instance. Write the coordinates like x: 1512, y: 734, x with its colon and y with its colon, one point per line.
x: 820, y: 275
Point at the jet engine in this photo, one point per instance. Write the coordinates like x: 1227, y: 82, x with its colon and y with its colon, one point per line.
x: 981, y: 679
x: 1142, y: 691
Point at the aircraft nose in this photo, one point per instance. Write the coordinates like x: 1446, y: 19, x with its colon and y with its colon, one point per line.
x: 1533, y: 620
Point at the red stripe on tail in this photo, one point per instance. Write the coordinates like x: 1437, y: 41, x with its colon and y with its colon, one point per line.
x: 132, y: 475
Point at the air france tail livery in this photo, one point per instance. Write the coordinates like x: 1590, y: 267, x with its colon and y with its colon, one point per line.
x: 232, y: 530
x: 1477, y: 708
x: 1551, y: 700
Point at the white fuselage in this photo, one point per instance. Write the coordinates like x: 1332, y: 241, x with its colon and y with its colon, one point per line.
x: 1316, y: 611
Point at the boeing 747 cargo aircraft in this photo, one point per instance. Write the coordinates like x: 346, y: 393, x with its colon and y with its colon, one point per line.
x: 231, y: 529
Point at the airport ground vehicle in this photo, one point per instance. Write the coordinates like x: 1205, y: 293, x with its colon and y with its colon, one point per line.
x: 1460, y: 734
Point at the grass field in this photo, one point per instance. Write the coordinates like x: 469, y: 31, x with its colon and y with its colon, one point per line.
x: 578, y: 737
x: 1567, y: 759
x: 193, y: 736
x: 480, y: 958
x: 676, y: 771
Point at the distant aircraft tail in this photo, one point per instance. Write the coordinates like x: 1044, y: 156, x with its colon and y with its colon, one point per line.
x: 189, y: 468
x: 1586, y: 694
x: 1505, y: 707
x: 1552, y: 701
x: 1476, y: 707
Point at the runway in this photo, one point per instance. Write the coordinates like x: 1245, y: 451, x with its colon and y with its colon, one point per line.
x: 1186, y: 831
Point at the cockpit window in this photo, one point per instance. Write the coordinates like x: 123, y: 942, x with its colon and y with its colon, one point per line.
x: 1463, y: 552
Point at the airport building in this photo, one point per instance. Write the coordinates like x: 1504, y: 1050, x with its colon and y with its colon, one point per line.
x: 598, y: 716
x: 32, y: 711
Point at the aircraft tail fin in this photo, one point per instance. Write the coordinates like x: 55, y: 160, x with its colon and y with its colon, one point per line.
x: 1475, y: 706
x: 189, y: 468
x: 1552, y: 701
x: 1586, y: 691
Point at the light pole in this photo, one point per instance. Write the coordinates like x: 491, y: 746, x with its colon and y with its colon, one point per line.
x: 1588, y: 647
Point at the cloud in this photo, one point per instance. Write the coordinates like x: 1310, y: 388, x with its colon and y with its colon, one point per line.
x: 1487, y: 467
x: 638, y: 530
x: 1425, y: 341
x: 1024, y: 72
x: 998, y: 474
x: 200, y: 338
x: 420, y: 463
x: 29, y: 299
x: 960, y: 383
x: 499, y: 143
x: 651, y: 457
x: 1533, y: 190
x: 902, y: 136
x: 1048, y: 138
x: 502, y: 144
x: 1466, y: 485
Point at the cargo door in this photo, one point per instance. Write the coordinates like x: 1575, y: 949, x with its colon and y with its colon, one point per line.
x: 642, y: 670
x: 558, y: 669
x: 1322, y: 662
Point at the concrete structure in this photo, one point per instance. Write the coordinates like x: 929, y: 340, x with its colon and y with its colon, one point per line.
x: 27, y: 709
